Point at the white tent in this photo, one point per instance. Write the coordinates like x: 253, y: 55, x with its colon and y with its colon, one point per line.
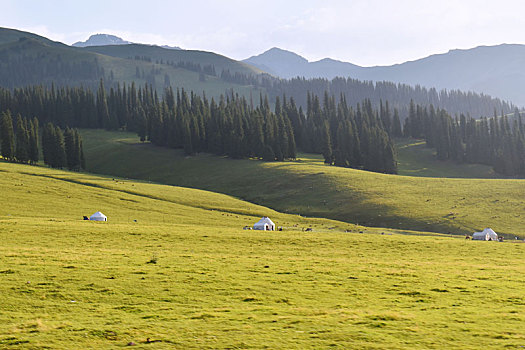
x: 98, y: 216
x: 264, y: 224
x: 486, y: 235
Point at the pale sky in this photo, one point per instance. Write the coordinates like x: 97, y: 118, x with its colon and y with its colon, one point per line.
x: 364, y: 32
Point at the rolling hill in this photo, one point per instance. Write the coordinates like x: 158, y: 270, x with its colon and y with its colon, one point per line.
x: 173, y: 268
x: 494, y: 70
x: 29, y: 59
x: 159, y: 53
x: 311, y: 188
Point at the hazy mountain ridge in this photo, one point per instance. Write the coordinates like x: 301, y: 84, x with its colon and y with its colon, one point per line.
x: 29, y: 59
x: 101, y: 39
x: 108, y: 39
x: 494, y: 70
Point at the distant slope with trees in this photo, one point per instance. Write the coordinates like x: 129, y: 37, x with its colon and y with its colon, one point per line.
x: 29, y: 59
x: 495, y: 70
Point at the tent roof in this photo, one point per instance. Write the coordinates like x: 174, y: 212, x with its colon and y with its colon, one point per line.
x: 99, y: 215
x: 265, y: 220
x: 489, y: 230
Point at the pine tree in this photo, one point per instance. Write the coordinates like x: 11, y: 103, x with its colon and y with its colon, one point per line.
x: 72, y: 149
x: 102, y: 107
x: 268, y: 154
x: 22, y: 141
x: 7, y: 136
x: 33, y: 141
x: 396, y: 125
x: 59, y: 149
x: 326, y: 144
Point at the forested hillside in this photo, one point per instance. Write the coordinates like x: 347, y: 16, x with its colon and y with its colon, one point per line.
x: 230, y: 126
x: 28, y: 59
x: 399, y: 95
x: 494, y: 70
x: 491, y: 141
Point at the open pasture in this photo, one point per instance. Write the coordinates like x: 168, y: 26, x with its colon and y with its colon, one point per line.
x: 311, y: 188
x: 186, y: 275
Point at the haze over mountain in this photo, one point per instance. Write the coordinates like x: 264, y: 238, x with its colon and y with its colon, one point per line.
x: 108, y: 39
x: 100, y: 40
x: 29, y: 59
x: 495, y: 70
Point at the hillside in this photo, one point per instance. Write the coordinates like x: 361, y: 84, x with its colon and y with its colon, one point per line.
x: 28, y: 59
x: 494, y: 70
x: 8, y: 35
x: 310, y: 188
x: 159, y: 53
x: 173, y: 268
x: 415, y: 159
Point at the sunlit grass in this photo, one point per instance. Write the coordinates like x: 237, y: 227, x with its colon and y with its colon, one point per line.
x: 174, y: 265
x: 309, y: 187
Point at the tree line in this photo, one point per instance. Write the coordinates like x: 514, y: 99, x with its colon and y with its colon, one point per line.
x: 231, y: 125
x: 355, y: 91
x: 228, y: 126
x: 357, y: 138
x: 19, y: 142
x: 493, y: 141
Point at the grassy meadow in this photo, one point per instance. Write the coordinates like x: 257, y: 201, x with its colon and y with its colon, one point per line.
x: 311, y: 188
x: 174, y: 265
x: 415, y: 159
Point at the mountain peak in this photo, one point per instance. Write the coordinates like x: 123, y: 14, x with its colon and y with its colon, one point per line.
x: 277, y: 54
x: 101, y: 40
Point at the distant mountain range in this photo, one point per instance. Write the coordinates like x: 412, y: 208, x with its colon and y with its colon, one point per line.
x: 494, y: 70
x: 108, y: 39
x: 27, y: 58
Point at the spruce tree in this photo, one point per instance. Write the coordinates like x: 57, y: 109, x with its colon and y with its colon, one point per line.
x: 33, y: 141
x: 7, y: 136
x: 59, y: 149
x: 326, y: 144
x: 22, y: 141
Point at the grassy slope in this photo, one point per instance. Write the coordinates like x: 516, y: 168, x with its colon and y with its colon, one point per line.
x: 8, y: 35
x: 157, y: 53
x: 71, y: 283
x: 310, y: 188
x: 124, y: 70
x: 414, y: 159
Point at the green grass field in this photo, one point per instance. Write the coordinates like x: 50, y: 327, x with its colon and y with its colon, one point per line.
x: 311, y: 188
x: 415, y: 159
x: 186, y: 275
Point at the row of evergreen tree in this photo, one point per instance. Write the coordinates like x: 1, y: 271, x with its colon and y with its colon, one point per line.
x: 227, y: 127
x: 25, y: 148
x: 230, y: 126
x: 355, y: 91
x: 19, y: 142
x: 492, y: 141
x: 360, y: 138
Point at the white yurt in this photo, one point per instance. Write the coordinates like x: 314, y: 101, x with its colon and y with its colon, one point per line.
x: 487, y: 234
x: 264, y: 224
x: 98, y: 216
